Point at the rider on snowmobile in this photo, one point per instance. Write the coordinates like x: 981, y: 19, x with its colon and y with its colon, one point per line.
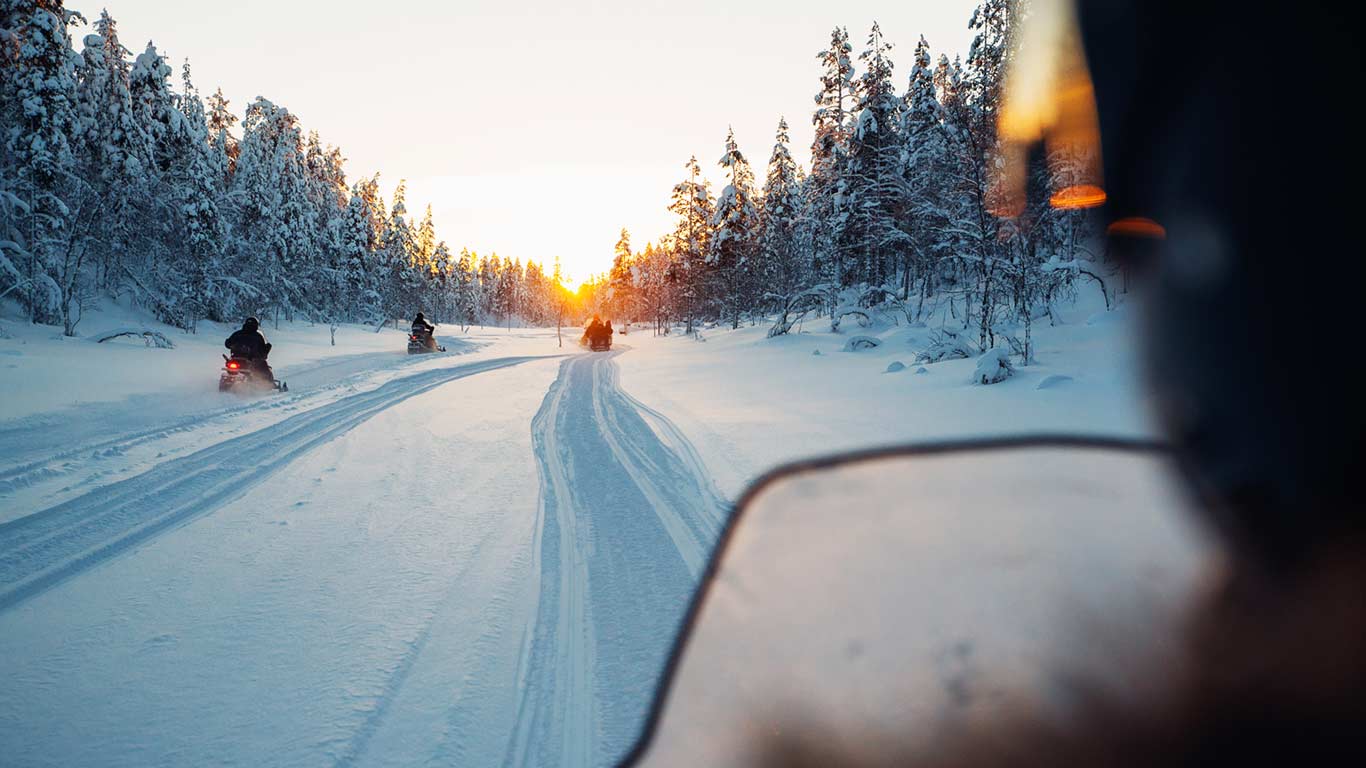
x: 248, y: 343
x: 594, y: 330
x: 424, y: 330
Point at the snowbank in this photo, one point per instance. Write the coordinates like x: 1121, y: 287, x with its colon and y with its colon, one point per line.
x: 749, y: 403
x: 41, y: 370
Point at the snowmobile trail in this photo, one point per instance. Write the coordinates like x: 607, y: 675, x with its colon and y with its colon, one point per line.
x: 47, y: 547
x: 627, y: 522
x: 66, y: 443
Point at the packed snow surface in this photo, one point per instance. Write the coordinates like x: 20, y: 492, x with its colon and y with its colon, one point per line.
x: 473, y: 558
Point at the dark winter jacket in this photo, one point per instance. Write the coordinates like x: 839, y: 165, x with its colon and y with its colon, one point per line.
x: 421, y: 327
x: 249, y: 344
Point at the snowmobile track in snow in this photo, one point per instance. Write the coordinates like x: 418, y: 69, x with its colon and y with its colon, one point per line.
x: 47, y: 547
x: 628, y: 519
x: 51, y: 444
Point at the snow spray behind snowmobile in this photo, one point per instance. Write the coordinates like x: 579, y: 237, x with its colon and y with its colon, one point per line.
x: 244, y: 376
x: 423, y: 342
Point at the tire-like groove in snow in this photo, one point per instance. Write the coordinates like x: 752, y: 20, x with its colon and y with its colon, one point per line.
x: 627, y: 523
x: 84, y: 433
x: 45, y: 548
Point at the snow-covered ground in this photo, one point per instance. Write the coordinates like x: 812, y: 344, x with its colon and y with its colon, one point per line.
x: 475, y: 558
x: 749, y: 403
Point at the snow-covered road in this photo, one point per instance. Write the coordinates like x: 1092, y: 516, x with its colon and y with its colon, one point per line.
x: 46, y: 547
x: 361, y: 574
x: 627, y: 522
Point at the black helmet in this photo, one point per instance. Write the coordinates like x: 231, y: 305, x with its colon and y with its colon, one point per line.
x: 420, y: 317
x: 251, y: 324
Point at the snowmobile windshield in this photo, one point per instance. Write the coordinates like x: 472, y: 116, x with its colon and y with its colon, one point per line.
x: 956, y: 574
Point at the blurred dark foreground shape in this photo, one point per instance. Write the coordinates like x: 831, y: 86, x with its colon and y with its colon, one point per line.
x: 1023, y: 604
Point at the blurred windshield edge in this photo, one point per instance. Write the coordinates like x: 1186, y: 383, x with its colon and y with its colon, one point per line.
x: 806, y: 479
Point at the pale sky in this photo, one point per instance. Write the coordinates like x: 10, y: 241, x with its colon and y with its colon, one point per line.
x: 539, y: 128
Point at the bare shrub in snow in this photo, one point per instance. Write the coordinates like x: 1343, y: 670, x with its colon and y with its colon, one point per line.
x: 993, y: 367
x: 947, y: 344
x: 856, y: 343
x: 149, y: 337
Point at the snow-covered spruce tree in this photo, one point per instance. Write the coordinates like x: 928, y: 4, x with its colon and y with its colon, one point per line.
x: 115, y: 150
x: 505, y: 291
x: 42, y: 254
x: 221, y: 121
x: 976, y: 117
x: 778, y: 219
x: 734, y: 247
x: 270, y: 184
x: 824, y: 189
x: 467, y: 289
x: 926, y: 178
x: 153, y: 242
x: 400, y: 251
x: 652, y: 268
x: 359, y: 241
x: 486, y: 291
x: 621, y: 280
x: 194, y: 177
x: 873, y: 240
x: 692, y: 204
x: 323, y: 274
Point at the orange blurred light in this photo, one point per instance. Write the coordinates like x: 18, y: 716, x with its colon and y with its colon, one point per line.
x: 1137, y: 226
x: 1078, y: 196
x: 1049, y: 98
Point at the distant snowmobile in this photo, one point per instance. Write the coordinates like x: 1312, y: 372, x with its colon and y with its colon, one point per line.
x: 242, y: 375
x: 597, y: 336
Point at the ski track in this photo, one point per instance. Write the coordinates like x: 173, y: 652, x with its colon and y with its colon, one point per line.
x: 45, y: 548
x: 55, y: 444
x: 627, y: 523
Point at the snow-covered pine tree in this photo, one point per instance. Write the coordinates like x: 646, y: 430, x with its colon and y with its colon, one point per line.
x: 400, y: 249
x: 781, y: 269
x: 270, y: 185
x: 426, y: 264
x: 487, y: 289
x: 466, y: 289
x: 115, y: 151
x: 621, y: 279
x: 692, y: 204
x: 828, y: 153
x: 360, y: 240
x: 979, y: 105
x: 42, y: 260
x: 198, y: 265
x: 873, y: 240
x: 221, y: 121
x: 927, y: 178
x: 734, y: 247
x: 154, y: 109
x: 505, y: 291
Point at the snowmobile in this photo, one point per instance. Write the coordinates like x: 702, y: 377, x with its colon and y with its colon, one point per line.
x: 241, y: 375
x: 596, y: 342
x: 420, y: 343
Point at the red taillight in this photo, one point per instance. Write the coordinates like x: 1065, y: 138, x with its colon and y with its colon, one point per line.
x: 233, y: 365
x: 412, y: 338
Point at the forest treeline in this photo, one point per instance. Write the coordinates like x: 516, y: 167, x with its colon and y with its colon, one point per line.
x: 897, y: 213
x: 114, y: 182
